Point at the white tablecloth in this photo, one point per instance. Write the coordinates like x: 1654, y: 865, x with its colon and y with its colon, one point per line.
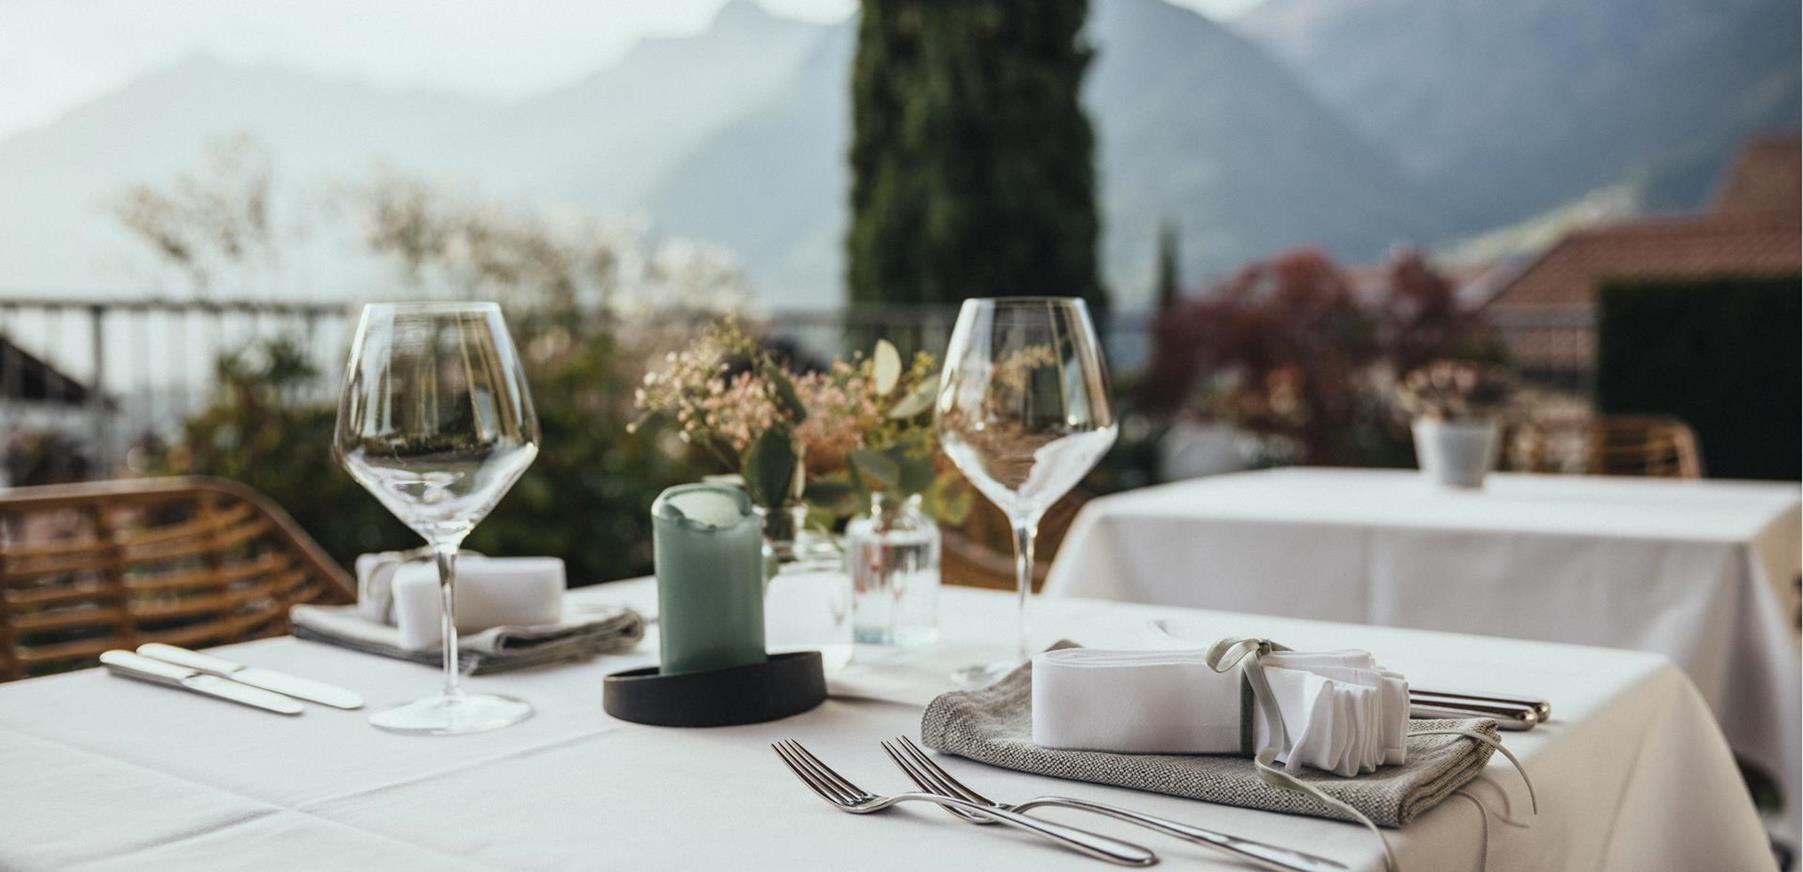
x: 99, y: 772
x: 1700, y: 571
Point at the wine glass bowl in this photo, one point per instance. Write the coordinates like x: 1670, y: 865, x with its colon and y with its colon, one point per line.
x: 435, y: 420
x: 1024, y: 412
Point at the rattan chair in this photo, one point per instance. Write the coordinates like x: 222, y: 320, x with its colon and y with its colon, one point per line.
x: 1642, y: 445
x: 187, y: 561
x: 980, y: 553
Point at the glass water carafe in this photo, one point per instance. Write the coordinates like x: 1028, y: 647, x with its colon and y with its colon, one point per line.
x: 892, y: 556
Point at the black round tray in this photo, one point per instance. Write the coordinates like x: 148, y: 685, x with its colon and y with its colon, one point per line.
x: 784, y: 685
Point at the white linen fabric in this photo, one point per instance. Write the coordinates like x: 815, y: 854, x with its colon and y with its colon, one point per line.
x: 108, y: 773
x: 1703, y: 572
x: 1341, y: 712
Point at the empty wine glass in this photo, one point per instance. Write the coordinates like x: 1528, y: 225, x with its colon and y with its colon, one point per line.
x: 435, y: 420
x: 1023, y: 411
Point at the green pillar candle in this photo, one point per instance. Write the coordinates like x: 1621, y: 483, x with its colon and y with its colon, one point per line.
x: 708, y: 546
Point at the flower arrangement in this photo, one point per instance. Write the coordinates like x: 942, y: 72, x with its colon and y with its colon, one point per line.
x: 1453, y: 390
x: 828, y: 438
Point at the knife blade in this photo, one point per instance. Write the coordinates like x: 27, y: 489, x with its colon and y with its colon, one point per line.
x: 266, y: 679
x: 129, y: 665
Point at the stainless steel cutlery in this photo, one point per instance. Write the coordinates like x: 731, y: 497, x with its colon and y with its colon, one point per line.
x: 848, y: 797
x: 937, y: 786
x: 266, y: 679
x: 1509, y: 712
x: 223, y: 679
x: 933, y: 778
x: 142, y: 668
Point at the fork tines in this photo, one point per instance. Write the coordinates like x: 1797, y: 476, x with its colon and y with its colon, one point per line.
x: 931, y: 778
x: 821, y: 779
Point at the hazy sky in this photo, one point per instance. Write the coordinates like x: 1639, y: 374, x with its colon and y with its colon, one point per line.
x: 55, y: 54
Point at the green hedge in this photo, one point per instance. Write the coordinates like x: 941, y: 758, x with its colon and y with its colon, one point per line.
x: 1724, y: 354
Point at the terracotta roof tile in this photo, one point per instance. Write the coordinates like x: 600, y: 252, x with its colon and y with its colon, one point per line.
x: 1766, y: 177
x: 1569, y: 273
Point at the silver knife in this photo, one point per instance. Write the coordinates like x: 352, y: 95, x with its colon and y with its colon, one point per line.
x: 267, y: 679
x: 131, y: 665
x: 1516, y: 719
x: 1540, y: 706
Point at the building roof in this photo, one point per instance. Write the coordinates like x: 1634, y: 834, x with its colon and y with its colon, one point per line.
x: 1766, y: 177
x: 1569, y: 273
x: 26, y: 377
x: 1751, y: 228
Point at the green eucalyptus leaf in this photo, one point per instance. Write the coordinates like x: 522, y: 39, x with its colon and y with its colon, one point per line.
x: 876, y: 466
x: 769, y: 467
x: 836, y: 495
x: 917, y: 401
x: 783, y: 393
x: 916, y: 474
x: 885, y: 367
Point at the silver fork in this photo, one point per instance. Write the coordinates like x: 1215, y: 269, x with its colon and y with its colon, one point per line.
x: 934, y: 779
x: 835, y: 789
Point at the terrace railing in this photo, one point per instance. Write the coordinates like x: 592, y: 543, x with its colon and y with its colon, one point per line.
x: 107, y: 371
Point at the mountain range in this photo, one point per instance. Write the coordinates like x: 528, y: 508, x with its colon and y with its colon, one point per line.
x: 1524, y: 105
x: 1354, y: 124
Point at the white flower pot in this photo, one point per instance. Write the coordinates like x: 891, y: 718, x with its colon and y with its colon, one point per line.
x: 1456, y: 453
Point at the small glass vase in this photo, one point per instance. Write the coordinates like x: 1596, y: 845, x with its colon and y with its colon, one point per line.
x: 807, y: 595
x: 892, y: 556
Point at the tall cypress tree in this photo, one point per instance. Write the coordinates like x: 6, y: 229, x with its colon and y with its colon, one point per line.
x: 971, y: 155
x: 1170, y: 284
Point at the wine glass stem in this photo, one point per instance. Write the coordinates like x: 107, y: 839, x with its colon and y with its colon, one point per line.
x: 446, y: 555
x: 1024, y: 534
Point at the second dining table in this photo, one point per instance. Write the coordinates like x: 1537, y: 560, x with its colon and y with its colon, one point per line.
x: 1702, y: 571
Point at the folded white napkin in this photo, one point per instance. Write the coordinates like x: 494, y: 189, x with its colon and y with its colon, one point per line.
x: 578, y: 634
x: 398, y: 589
x: 1342, y: 712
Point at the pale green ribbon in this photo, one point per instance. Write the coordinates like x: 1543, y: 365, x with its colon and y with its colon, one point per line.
x: 1247, y: 652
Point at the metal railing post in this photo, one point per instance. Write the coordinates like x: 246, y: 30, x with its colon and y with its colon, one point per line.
x: 97, y: 391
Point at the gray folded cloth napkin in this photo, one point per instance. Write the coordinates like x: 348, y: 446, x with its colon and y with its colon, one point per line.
x: 581, y: 634
x: 994, y: 725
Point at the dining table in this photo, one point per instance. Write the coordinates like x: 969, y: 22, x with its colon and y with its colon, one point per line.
x: 102, y: 772
x: 1702, y: 571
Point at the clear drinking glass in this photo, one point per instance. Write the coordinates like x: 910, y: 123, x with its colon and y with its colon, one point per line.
x: 436, y: 421
x: 1024, y: 412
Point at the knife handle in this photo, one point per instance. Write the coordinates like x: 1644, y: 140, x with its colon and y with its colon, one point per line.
x: 1540, y: 706
x: 1515, y: 721
x: 190, y: 659
x: 136, y: 666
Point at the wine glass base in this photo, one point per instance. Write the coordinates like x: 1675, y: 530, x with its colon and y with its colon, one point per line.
x: 984, y: 674
x: 442, y: 715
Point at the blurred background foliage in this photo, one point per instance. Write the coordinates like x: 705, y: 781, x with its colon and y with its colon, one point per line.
x: 589, y: 304
x: 584, y: 499
x: 1303, y: 353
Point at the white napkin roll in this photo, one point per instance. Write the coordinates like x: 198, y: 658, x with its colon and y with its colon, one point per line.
x: 491, y: 592
x: 1135, y: 702
x: 1342, y: 713
x: 1388, y: 729
x: 375, y: 582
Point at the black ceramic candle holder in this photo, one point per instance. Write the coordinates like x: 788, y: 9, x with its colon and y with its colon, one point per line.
x: 784, y: 685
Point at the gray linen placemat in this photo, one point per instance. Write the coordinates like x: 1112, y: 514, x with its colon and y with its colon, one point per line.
x: 994, y: 725
x: 582, y: 635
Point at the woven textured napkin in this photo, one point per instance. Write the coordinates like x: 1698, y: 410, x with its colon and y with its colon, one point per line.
x: 994, y: 725
x: 583, y: 634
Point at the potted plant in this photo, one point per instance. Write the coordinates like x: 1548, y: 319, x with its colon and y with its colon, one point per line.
x: 812, y: 449
x: 1457, y: 410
